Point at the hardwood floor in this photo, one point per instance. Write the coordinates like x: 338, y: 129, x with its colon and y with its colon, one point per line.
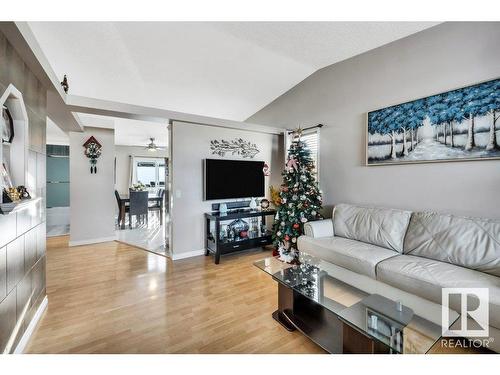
x: 114, y: 298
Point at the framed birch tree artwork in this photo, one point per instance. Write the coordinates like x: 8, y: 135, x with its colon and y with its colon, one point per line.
x: 456, y: 125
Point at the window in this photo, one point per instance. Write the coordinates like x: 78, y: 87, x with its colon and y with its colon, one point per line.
x: 146, y: 173
x: 311, y: 139
x: 150, y: 172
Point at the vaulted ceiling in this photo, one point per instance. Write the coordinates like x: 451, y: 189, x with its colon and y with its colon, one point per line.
x: 221, y: 69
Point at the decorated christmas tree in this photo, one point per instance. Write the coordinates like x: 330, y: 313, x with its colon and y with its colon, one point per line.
x: 300, y: 199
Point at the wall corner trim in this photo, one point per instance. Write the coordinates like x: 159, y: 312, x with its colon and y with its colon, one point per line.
x: 92, y: 241
x: 189, y: 254
x: 31, y: 327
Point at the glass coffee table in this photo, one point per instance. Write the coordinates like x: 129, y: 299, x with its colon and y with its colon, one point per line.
x: 320, y: 300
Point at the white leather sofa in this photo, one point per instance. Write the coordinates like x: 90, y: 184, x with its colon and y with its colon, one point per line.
x: 411, y: 256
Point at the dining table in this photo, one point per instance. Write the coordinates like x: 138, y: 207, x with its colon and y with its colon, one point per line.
x: 125, y: 200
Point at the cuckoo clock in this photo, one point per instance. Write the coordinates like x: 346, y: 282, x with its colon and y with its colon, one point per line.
x: 92, y: 151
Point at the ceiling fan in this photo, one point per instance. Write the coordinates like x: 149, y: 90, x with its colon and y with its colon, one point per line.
x: 153, y: 147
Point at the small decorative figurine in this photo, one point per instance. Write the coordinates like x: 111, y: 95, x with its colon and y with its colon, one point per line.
x: 266, y: 170
x: 264, y: 204
x: 92, y: 151
x: 13, y: 194
x: 65, y: 84
x: 23, y: 192
x: 253, y: 203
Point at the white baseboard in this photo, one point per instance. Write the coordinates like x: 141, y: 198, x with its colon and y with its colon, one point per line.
x: 31, y: 327
x: 189, y: 254
x: 92, y: 241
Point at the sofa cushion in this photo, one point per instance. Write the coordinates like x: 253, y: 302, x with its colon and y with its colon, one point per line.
x: 425, y: 278
x: 354, y: 255
x: 383, y: 227
x: 467, y: 242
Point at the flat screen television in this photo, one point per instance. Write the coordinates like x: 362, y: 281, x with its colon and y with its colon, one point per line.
x: 226, y: 179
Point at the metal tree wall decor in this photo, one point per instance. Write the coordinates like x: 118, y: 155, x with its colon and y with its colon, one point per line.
x: 92, y: 151
x: 235, y: 147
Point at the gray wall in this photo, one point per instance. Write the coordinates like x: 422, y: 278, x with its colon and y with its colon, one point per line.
x: 190, y: 145
x: 92, y: 199
x: 444, y: 57
x: 22, y: 234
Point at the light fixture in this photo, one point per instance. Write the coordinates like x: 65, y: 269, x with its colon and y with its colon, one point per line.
x: 152, y: 146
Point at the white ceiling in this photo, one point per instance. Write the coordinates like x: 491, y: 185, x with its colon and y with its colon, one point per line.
x: 127, y: 132
x: 55, y: 136
x: 221, y: 69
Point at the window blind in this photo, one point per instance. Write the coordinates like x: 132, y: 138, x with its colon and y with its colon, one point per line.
x: 311, y: 139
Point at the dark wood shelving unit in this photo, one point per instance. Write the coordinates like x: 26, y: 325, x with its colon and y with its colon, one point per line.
x: 212, y: 237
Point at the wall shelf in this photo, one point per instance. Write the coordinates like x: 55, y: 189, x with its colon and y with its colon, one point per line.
x: 15, y: 155
x: 13, y: 207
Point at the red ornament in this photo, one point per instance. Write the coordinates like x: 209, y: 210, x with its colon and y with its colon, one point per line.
x: 296, y: 226
x: 287, y: 237
x: 243, y: 234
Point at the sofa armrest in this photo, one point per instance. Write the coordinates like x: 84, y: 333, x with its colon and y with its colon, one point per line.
x: 319, y: 228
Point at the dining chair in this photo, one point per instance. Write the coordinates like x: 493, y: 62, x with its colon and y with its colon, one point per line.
x: 138, y: 206
x: 122, y: 209
x: 158, y: 204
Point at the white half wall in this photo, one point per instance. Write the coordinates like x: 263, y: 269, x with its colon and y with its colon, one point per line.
x: 92, y: 200
x: 447, y: 56
x: 190, y: 145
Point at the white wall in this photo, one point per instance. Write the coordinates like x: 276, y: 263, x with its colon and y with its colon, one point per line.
x: 444, y: 57
x: 190, y: 145
x: 123, y: 154
x: 92, y: 200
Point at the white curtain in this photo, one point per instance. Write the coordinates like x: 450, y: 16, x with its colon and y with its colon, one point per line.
x: 132, y: 170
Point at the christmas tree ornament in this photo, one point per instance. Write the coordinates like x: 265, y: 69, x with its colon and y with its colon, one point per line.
x: 294, y: 240
x: 291, y: 165
x: 296, y: 226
